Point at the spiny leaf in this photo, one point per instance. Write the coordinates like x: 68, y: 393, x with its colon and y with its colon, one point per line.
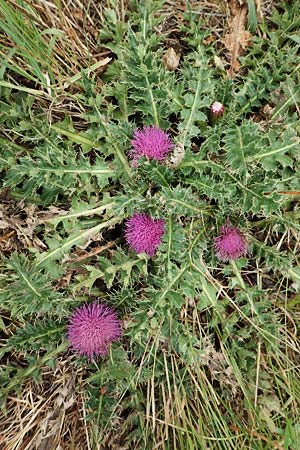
x: 35, y: 337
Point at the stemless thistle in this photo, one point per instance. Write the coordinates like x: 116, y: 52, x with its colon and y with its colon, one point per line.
x: 143, y: 233
x: 151, y: 142
x: 217, y: 109
x: 231, y: 244
x: 92, y: 328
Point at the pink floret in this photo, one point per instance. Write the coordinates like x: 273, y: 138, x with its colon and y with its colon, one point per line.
x: 151, y: 142
x: 92, y: 328
x: 231, y: 244
x: 143, y: 233
x: 217, y: 109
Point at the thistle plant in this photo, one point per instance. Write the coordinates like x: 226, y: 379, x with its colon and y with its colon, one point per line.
x: 92, y: 208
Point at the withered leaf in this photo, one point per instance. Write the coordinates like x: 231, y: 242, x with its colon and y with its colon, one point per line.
x: 238, y: 39
x: 176, y: 157
x: 171, y: 59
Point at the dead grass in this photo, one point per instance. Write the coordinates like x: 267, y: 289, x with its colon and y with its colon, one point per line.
x: 49, y: 415
x: 78, y: 22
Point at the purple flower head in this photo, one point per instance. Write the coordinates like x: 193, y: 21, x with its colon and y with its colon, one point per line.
x: 143, y: 233
x: 92, y: 328
x: 217, y: 109
x: 231, y: 244
x: 151, y: 142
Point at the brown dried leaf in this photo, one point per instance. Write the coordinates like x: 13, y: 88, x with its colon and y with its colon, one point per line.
x: 219, y: 63
x: 50, y: 425
x: 21, y: 219
x: 78, y: 14
x: 171, y: 59
x: 209, y: 40
x: 267, y: 111
x: 176, y: 156
x: 238, y: 39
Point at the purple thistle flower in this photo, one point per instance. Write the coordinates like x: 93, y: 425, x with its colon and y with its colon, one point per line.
x: 92, y: 328
x: 151, y: 142
x: 217, y: 109
x: 143, y: 233
x: 231, y: 244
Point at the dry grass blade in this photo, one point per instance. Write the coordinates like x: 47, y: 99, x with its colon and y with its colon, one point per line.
x: 65, y: 35
x: 46, y: 416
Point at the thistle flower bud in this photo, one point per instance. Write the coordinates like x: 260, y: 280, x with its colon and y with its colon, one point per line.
x: 217, y: 109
